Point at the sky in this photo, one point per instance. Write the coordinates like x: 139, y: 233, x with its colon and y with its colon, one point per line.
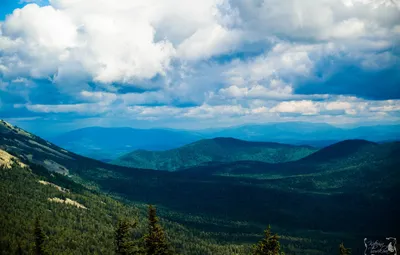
x: 66, y: 64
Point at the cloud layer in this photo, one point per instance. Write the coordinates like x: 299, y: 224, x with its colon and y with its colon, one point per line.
x: 223, y: 62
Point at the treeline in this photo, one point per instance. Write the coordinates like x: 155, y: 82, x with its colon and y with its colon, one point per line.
x: 154, y: 242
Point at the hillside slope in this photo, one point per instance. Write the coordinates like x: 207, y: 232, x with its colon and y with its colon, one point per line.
x: 210, y: 150
x: 35, y: 150
x: 78, y: 220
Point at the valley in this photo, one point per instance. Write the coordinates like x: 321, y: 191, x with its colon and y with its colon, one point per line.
x: 226, y: 205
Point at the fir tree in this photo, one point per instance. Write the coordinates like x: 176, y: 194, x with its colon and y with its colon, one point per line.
x: 343, y: 250
x: 124, y: 244
x: 40, y: 238
x: 269, y: 245
x: 19, y: 250
x: 155, y: 241
x: 122, y: 238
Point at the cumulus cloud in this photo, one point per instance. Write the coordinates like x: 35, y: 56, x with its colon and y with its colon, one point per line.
x: 304, y: 107
x: 313, y: 20
x: 67, y: 108
x: 46, y: 39
x: 217, y: 59
x: 103, y: 97
x: 123, y: 42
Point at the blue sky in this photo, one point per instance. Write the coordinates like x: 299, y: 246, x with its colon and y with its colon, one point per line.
x: 8, y: 6
x: 183, y: 64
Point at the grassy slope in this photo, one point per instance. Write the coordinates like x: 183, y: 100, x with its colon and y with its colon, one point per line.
x: 210, y: 150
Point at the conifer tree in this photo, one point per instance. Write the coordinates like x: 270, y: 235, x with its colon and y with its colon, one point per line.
x: 343, y: 250
x: 122, y: 238
x: 19, y: 250
x: 40, y: 238
x: 269, y: 245
x: 124, y: 244
x: 155, y: 241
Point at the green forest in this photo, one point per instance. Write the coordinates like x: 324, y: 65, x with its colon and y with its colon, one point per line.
x: 32, y: 224
x: 315, y: 203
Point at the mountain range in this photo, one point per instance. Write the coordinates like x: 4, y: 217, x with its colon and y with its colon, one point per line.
x: 108, y: 144
x: 342, y: 192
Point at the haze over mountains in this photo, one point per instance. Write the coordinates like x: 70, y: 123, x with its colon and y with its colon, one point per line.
x: 346, y: 185
x: 110, y: 143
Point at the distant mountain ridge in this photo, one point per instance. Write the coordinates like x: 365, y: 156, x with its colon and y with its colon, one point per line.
x: 309, y: 133
x: 221, y: 149
x: 110, y: 143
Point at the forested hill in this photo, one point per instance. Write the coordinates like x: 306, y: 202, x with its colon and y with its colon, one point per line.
x: 343, y: 150
x: 214, y: 150
x: 352, y: 164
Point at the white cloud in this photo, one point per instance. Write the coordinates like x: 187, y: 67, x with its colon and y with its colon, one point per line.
x: 350, y: 28
x: 304, y: 107
x: 284, y: 60
x: 85, y: 109
x: 349, y: 106
x: 209, y: 41
x: 313, y: 20
x: 99, y: 48
x: 135, y: 40
x: 123, y: 42
x: 49, y: 39
x: 154, y: 97
x: 373, y: 3
x: 388, y: 106
x: 214, y: 112
x: 274, y: 90
x: 103, y: 97
x: 335, y: 110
